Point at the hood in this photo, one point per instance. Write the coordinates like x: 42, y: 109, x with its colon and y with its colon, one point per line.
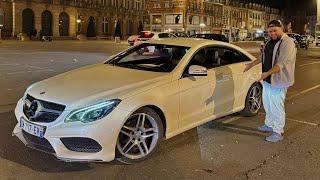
x: 96, y: 82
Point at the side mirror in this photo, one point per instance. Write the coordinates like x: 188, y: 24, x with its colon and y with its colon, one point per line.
x: 196, y: 70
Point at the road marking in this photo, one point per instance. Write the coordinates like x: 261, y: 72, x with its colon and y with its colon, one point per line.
x: 298, y: 121
x: 9, y: 64
x: 36, y: 67
x: 230, y: 120
x: 310, y: 89
x: 22, y: 72
x: 309, y: 64
x: 304, y: 91
x: 303, y: 122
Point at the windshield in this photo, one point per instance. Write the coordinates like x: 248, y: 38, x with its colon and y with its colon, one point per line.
x: 151, y: 57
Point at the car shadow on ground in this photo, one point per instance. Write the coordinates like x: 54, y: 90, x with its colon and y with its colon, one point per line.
x: 220, y: 125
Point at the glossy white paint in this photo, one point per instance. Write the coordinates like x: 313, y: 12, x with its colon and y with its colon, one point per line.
x: 186, y: 102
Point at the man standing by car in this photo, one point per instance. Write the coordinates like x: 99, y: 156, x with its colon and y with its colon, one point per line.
x: 278, y: 63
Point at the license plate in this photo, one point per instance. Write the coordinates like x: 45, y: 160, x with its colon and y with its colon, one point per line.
x: 33, y: 129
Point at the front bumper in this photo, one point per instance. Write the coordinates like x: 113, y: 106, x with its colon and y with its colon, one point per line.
x: 104, y: 131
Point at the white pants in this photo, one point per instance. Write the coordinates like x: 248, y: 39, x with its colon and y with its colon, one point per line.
x: 273, y: 103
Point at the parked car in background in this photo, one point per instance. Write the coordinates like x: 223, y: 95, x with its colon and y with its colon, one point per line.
x: 132, y: 39
x: 217, y: 37
x: 299, y: 40
x: 309, y: 38
x: 148, y: 35
x: 181, y: 34
x: 304, y: 42
x: 317, y: 38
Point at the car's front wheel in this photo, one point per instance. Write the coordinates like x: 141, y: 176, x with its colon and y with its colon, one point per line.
x: 139, y: 136
x: 253, y: 101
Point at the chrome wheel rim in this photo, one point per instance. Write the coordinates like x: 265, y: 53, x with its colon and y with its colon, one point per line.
x: 138, y: 136
x: 255, y: 99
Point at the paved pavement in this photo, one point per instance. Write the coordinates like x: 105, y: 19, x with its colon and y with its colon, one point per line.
x: 228, y: 148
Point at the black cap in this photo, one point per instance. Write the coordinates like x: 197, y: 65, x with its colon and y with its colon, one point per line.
x: 275, y: 23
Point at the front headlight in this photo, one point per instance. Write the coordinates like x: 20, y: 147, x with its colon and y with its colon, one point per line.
x: 93, y: 112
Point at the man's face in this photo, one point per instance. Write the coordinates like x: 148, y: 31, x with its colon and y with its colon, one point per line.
x: 275, y: 32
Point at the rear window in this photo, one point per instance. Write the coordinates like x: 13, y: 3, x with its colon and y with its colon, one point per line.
x: 217, y: 37
x: 164, y: 35
x: 146, y: 35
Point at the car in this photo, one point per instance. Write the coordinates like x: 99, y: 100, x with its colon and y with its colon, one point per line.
x: 132, y: 39
x: 122, y: 108
x: 299, y: 40
x: 317, y: 38
x: 217, y: 37
x: 309, y: 38
x: 304, y: 42
x: 148, y: 35
x: 180, y: 34
x: 312, y: 39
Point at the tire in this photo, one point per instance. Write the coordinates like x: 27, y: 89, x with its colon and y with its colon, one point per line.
x: 132, y: 146
x: 251, y: 109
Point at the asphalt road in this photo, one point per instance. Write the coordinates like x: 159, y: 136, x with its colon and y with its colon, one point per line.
x: 227, y: 148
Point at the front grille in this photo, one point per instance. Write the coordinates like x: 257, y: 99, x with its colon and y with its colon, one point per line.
x: 80, y: 144
x: 49, y: 113
x: 38, y: 143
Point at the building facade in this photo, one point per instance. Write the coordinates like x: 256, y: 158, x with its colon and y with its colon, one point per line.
x: 190, y: 16
x: 6, y: 18
x: 243, y: 20
x: 236, y: 19
x: 67, y: 18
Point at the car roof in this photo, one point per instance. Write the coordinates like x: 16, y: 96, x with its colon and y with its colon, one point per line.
x: 154, y: 32
x: 195, y: 43
x: 187, y: 42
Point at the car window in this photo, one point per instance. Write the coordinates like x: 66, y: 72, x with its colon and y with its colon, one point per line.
x: 164, y: 35
x: 146, y: 35
x: 230, y: 56
x: 151, y: 57
x: 199, y: 58
x: 180, y: 34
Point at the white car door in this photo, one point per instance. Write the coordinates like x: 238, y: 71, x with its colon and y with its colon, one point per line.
x: 231, y: 75
x: 224, y: 87
x: 195, y: 95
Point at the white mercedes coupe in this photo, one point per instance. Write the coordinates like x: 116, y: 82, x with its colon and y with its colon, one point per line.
x: 122, y: 108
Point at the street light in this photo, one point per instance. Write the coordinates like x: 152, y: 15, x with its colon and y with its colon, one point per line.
x: 78, y: 25
x: 202, y: 25
x: 1, y: 25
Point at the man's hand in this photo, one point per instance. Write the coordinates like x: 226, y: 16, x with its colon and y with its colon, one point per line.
x: 248, y: 66
x: 264, y: 76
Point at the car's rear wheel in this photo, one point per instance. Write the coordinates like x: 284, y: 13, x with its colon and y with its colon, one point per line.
x: 253, y: 101
x: 139, y: 136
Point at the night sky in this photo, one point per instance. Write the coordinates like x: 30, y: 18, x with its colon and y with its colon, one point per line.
x: 309, y: 5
